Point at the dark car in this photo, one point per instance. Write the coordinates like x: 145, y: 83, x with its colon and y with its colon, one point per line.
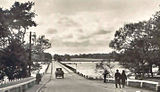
x: 59, y: 73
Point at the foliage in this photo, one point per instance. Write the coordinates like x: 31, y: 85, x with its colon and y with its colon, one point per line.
x: 43, y: 43
x: 48, y: 57
x: 38, y: 49
x: 106, y: 66
x: 138, y: 45
x: 58, y: 57
x: 14, y: 61
x: 15, y: 21
x: 36, y: 66
x: 94, y: 56
x: 13, y: 25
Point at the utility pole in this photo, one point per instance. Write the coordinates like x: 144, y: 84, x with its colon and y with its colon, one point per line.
x: 30, y: 51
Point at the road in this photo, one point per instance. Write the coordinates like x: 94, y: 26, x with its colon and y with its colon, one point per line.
x: 74, y: 83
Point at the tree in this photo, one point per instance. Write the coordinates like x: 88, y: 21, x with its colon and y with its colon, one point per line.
x: 4, y: 32
x: 155, y: 34
x: 20, y: 19
x: 67, y: 57
x: 41, y: 45
x: 14, y: 23
x: 14, y: 61
x: 57, y: 57
x: 48, y: 57
x: 16, y: 20
x: 133, y: 42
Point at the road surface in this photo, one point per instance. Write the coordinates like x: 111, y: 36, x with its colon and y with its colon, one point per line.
x: 75, y: 83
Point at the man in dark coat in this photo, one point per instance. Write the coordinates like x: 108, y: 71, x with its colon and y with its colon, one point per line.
x: 124, y: 78
x: 105, y: 75
x: 117, y: 79
x: 38, y: 77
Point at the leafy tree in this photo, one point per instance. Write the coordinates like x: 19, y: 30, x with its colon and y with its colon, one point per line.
x: 48, y: 57
x: 57, y: 57
x: 133, y: 43
x: 67, y: 57
x: 20, y: 19
x: 16, y: 20
x: 13, y: 25
x: 155, y: 34
x: 4, y: 32
x: 41, y: 44
x: 138, y: 44
x: 15, y: 65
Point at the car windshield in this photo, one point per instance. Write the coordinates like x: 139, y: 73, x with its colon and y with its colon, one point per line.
x: 59, y: 69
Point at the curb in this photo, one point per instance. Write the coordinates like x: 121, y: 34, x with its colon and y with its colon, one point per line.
x: 39, y: 89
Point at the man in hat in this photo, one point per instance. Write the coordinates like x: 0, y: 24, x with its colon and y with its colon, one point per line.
x: 117, y: 79
x: 105, y: 75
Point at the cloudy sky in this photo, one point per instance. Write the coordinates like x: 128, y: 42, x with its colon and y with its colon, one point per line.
x: 85, y: 26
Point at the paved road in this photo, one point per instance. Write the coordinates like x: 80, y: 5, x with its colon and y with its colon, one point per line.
x: 75, y: 83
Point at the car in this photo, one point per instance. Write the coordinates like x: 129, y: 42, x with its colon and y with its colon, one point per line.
x: 59, y: 73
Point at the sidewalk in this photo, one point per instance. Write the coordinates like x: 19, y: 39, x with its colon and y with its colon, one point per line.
x: 36, y: 87
x: 45, y: 79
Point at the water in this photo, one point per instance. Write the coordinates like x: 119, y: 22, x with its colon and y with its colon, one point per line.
x: 41, y: 70
x: 90, y: 69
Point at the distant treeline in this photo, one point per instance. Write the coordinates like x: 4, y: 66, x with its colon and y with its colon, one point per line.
x: 93, y: 56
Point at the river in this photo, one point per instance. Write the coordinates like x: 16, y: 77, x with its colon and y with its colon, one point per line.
x: 93, y: 68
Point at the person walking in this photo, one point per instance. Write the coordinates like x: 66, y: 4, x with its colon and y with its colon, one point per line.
x: 38, y: 78
x: 105, y: 75
x: 123, y: 78
x: 117, y: 79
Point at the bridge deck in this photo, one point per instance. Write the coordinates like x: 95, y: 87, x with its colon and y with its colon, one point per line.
x: 74, y: 83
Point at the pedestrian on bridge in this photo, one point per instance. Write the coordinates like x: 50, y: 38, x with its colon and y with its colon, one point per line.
x: 123, y: 78
x: 105, y: 75
x: 38, y: 78
x: 117, y: 79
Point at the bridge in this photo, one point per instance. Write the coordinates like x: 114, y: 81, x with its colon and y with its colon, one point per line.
x: 79, y: 83
x: 76, y: 82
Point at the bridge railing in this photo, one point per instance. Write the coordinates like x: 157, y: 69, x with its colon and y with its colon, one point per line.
x: 155, y: 86
x: 140, y: 84
x: 19, y: 85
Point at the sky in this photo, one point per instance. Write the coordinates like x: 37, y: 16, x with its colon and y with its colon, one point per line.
x: 85, y: 26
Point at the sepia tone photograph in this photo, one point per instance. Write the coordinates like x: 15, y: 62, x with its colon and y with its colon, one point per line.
x: 79, y: 45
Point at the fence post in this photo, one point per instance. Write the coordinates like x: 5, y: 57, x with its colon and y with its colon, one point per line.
x: 158, y: 88
x: 127, y: 82
x: 141, y: 84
